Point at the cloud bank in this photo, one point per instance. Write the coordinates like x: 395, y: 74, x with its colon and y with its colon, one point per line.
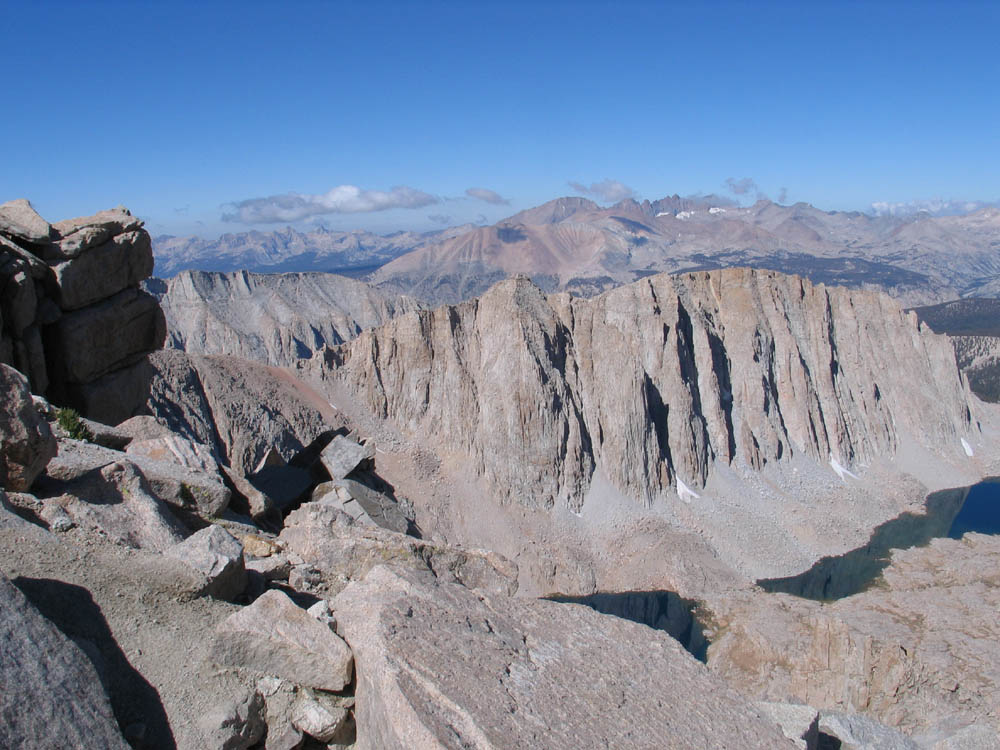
x: 742, y: 186
x: 608, y: 191
x: 343, y: 199
x: 485, y: 194
x: 931, y: 206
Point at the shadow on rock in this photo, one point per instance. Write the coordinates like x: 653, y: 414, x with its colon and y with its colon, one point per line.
x: 73, y: 610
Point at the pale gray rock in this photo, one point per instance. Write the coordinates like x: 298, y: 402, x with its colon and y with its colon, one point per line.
x: 920, y: 649
x: 362, y: 503
x: 658, y: 382
x: 241, y: 409
x: 327, y: 541
x: 115, y: 502
x: 181, y: 488
x: 275, y: 319
x: 37, y: 268
x: 26, y: 442
x: 234, y: 724
x: 101, y: 272
x: 320, y: 719
x: 280, y: 696
x: 274, y: 636
x: 321, y: 611
x: 103, y: 337
x: 52, y: 696
x: 972, y: 737
x: 259, y: 505
x: 19, y: 220
x: 9, y: 519
x: 112, y: 397
x: 218, y: 556
x: 441, y: 666
x: 178, y: 450
x: 144, y: 427
x: 272, y: 568
x: 858, y: 732
x: 343, y: 455
x: 799, y: 723
x: 81, y: 234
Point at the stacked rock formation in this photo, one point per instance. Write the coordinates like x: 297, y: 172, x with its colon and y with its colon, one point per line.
x: 657, y: 381
x: 73, y: 317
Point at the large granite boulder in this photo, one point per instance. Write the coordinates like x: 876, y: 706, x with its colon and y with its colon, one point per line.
x: 26, y: 442
x: 442, y: 666
x: 51, y: 696
x: 19, y: 220
x: 274, y: 636
x: 102, y: 272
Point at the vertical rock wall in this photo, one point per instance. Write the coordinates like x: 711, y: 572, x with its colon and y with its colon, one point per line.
x: 72, y: 316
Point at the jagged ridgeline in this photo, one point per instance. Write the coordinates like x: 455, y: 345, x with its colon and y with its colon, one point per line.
x: 657, y: 381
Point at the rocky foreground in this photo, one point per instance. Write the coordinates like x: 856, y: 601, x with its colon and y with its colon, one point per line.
x: 233, y: 561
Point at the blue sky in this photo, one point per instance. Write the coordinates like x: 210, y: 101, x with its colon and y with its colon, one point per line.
x: 190, y: 112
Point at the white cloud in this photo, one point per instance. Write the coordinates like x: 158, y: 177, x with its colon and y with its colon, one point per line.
x: 485, y: 194
x: 608, y: 191
x: 343, y: 199
x: 931, y: 206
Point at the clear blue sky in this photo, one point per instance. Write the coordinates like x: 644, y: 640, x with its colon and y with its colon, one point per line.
x: 184, y: 111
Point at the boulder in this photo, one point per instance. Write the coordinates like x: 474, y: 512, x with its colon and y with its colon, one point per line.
x: 274, y: 636
x: 81, y: 234
x: 343, y: 455
x: 364, y: 504
x: 26, y: 442
x: 181, y: 488
x: 218, y: 556
x: 103, y: 271
x: 327, y: 540
x: 143, y: 427
x: 178, y: 450
x: 115, y: 502
x: 19, y: 220
x: 442, y: 666
x: 85, y: 344
x: 52, y: 695
x: 38, y: 269
x: 857, y: 732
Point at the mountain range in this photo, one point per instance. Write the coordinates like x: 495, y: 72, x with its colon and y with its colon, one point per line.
x: 576, y: 245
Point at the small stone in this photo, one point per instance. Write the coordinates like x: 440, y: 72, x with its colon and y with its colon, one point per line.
x: 322, y: 612
x: 234, y: 725
x: 273, y: 568
x: 319, y: 720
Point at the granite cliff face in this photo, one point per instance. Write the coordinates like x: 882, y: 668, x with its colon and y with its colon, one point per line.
x: 657, y: 382
x: 272, y: 318
x: 74, y: 320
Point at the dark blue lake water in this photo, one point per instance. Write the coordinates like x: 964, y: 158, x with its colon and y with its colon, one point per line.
x: 949, y: 513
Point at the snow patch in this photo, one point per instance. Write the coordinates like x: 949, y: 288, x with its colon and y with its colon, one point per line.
x: 967, y: 447
x: 716, y: 210
x: 684, y: 492
x: 685, y: 214
x: 839, y: 468
x: 664, y: 213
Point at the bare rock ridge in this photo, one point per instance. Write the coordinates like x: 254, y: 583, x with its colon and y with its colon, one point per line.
x: 658, y: 381
x: 572, y: 244
x: 73, y: 317
x: 273, y: 318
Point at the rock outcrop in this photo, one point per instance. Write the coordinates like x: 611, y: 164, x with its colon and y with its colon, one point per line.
x: 277, y: 319
x: 440, y: 666
x: 657, y: 382
x: 919, y: 652
x: 240, y: 409
x: 73, y: 318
